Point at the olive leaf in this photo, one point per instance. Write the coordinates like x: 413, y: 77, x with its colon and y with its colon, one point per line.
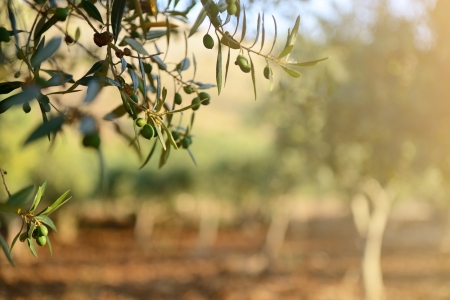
x: 258, y: 26
x: 244, y: 27
x: 291, y: 72
x: 44, y: 53
x: 135, y: 45
x: 8, y: 87
x: 253, y: 74
x: 28, y: 94
x: 53, y: 125
x: 275, y: 35
x: 307, y: 63
x: 6, y: 250
x: 92, y: 10
x: 147, y: 159
x: 219, y: 67
x: 117, y: 11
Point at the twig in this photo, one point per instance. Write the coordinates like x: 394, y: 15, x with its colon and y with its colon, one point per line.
x: 3, y: 173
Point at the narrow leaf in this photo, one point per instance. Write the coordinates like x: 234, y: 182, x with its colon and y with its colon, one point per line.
x: 6, y: 250
x: 159, y: 62
x: 275, y: 35
x: 38, y: 197
x: 307, y: 63
x: 28, y: 94
x: 151, y: 35
x: 53, y: 125
x: 244, y: 27
x: 16, y: 238
x: 263, y: 35
x: 286, y: 51
x: 258, y: 26
x: 226, y: 66
x: 49, y: 245
x: 21, y: 197
x: 149, y: 155
x: 253, y: 74
x: 219, y: 67
x: 135, y: 45
x: 57, y: 204
x: 47, y: 221
x: 7, y: 87
x: 92, y: 11
x: 183, y: 65
x: 46, y: 52
x: 93, y: 89
x: 170, y: 137
x: 12, y: 19
x: 31, y: 246
x: 192, y: 156
x: 117, y: 11
x: 144, y: 83
x: 201, y: 17
x: 291, y: 72
x: 134, y: 78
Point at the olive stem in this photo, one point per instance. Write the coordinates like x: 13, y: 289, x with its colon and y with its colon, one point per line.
x: 3, y: 173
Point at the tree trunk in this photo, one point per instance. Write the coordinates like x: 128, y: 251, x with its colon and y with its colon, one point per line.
x: 209, y: 225
x: 371, y: 265
x: 277, y: 230
x: 361, y: 214
x: 146, y: 215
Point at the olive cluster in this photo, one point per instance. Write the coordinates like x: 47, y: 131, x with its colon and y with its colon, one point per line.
x: 39, y: 234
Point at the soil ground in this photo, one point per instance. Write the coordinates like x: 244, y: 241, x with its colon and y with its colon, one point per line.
x: 319, y: 260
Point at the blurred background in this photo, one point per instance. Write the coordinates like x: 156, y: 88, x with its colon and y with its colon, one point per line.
x: 332, y: 186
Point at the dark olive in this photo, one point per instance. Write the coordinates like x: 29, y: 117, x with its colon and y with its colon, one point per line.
x: 91, y: 140
x: 147, y: 131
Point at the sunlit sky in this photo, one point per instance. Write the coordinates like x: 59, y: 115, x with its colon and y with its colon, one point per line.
x: 310, y: 10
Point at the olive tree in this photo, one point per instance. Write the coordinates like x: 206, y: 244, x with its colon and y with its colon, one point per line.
x: 128, y: 48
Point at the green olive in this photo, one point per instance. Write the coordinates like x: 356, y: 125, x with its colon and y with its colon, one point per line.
x: 26, y: 107
x: 42, y: 230
x: 45, y: 106
x: 186, y: 142
x: 19, y: 54
x: 231, y: 9
x: 175, y: 135
x: 4, y: 35
x: 140, y: 122
x: 91, y: 140
x: 147, y: 131
x: 208, y: 41
x: 41, y: 240
x: 23, y: 236
x: 177, y: 99
x: 241, y: 61
x: 147, y: 68
x: 61, y: 14
x: 203, y: 96
x: 196, y: 103
x: 245, y: 69
x: 267, y: 72
x: 187, y: 89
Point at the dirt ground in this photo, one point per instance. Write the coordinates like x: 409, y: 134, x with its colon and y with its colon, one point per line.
x: 319, y: 260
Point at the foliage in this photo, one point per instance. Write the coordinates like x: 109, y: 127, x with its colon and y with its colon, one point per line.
x: 32, y: 55
x: 35, y: 223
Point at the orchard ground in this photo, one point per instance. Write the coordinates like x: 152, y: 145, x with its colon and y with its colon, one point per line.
x: 320, y: 259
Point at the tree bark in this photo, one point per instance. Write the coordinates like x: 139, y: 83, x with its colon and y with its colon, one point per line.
x: 371, y: 264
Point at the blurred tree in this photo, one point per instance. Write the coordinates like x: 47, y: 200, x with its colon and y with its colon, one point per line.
x: 371, y: 125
